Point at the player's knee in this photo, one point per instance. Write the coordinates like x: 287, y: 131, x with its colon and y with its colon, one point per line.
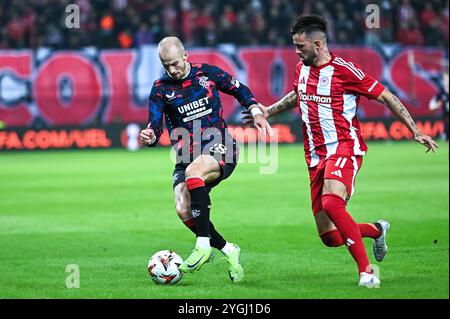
x: 331, y: 201
x: 194, y: 169
x: 202, y: 166
x: 333, y: 187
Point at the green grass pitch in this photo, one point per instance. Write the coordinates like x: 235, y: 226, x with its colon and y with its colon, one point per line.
x: 108, y: 211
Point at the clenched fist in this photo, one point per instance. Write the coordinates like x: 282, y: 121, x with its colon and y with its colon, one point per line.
x: 147, y: 136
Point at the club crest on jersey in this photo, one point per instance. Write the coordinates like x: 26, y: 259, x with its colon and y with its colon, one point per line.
x: 203, y: 81
x: 324, y: 81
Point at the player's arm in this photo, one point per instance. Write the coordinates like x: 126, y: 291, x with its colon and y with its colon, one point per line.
x: 228, y: 84
x: 151, y: 134
x: 289, y: 101
x: 231, y: 85
x: 356, y: 80
x: 399, y: 110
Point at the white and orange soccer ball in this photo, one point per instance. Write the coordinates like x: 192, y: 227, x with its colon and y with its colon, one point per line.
x: 163, y: 267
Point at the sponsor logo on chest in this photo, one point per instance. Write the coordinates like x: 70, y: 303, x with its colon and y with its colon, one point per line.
x: 314, y: 98
x: 193, y: 105
x: 195, y: 109
x: 311, y: 91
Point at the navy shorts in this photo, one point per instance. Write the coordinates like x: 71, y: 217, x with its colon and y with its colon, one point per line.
x: 227, y: 165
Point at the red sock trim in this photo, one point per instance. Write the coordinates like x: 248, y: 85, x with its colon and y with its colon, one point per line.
x: 194, y: 182
x: 189, y: 223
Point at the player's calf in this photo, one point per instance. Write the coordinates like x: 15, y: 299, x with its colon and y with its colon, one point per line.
x: 332, y: 238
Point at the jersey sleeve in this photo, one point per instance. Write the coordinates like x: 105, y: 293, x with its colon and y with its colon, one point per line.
x: 360, y: 82
x: 156, y: 111
x: 230, y: 85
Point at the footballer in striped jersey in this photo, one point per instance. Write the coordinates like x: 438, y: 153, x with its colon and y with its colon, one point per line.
x: 326, y: 90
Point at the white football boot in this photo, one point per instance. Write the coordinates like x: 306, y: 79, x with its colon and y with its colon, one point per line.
x: 379, y: 244
x: 369, y: 280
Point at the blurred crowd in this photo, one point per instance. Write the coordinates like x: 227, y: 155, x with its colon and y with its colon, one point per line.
x: 132, y: 23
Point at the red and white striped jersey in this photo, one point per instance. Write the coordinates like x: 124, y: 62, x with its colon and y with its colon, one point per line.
x: 328, y: 98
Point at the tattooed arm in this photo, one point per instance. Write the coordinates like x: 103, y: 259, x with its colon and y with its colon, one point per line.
x: 397, y: 107
x: 286, y: 103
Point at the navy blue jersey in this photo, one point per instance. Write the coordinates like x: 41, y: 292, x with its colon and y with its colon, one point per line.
x: 194, y: 104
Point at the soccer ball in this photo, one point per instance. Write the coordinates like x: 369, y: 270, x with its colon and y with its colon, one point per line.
x: 163, y: 267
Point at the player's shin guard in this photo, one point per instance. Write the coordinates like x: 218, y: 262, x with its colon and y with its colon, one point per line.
x: 217, y: 241
x: 200, y: 205
x: 334, y: 206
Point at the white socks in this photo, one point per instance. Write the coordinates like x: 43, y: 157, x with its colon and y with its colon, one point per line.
x: 228, y: 248
x: 203, y: 242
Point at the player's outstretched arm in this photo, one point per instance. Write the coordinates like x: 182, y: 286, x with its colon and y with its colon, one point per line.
x: 289, y: 101
x: 397, y: 107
